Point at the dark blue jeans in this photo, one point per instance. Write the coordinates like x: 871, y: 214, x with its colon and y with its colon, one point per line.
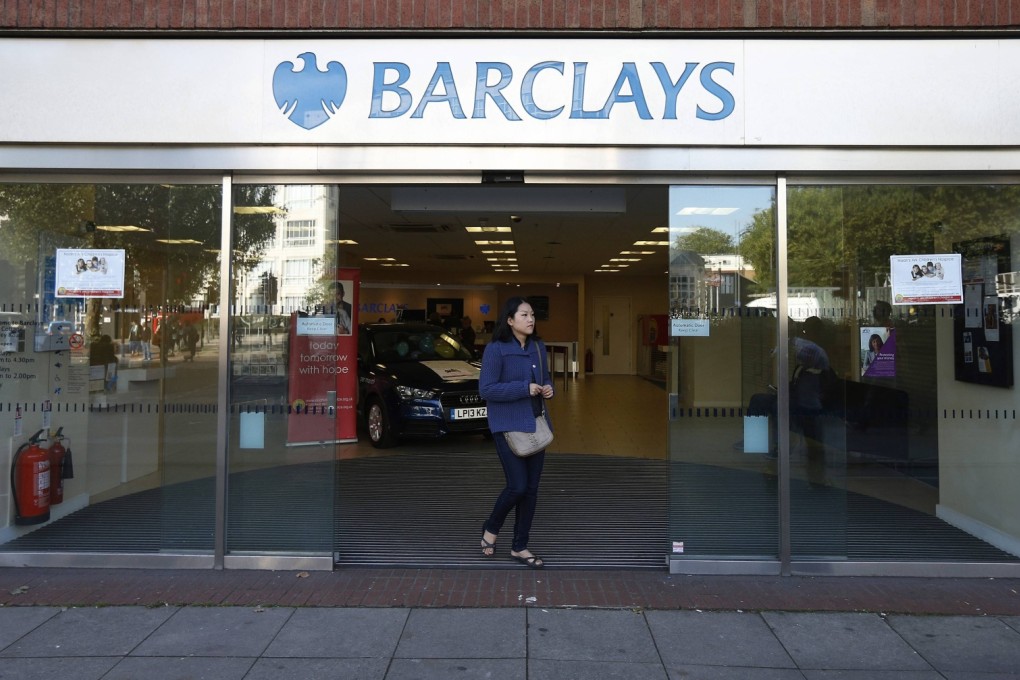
x: 520, y: 493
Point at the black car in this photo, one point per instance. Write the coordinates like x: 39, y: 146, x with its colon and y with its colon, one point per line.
x: 416, y: 380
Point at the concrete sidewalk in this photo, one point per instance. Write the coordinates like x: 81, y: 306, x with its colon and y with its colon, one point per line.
x: 396, y: 643
x: 397, y: 624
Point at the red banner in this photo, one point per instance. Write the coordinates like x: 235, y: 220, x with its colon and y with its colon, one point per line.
x: 323, y: 367
x: 655, y: 330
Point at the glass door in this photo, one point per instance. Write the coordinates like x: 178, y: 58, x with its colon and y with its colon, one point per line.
x: 293, y: 350
x: 722, y: 384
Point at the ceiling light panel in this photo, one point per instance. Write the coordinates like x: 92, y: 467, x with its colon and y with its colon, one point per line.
x: 692, y: 210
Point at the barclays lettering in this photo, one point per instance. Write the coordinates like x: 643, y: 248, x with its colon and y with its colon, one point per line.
x: 390, y: 80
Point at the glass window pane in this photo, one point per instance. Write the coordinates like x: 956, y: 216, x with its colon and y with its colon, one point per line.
x: 105, y: 324
x: 722, y: 444
x: 902, y: 415
x: 283, y: 441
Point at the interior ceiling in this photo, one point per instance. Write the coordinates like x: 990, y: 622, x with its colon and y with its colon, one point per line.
x: 548, y: 244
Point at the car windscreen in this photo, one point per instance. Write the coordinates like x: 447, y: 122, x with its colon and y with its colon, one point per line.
x: 396, y: 346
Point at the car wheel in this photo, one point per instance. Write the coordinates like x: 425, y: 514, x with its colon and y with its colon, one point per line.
x: 380, y: 432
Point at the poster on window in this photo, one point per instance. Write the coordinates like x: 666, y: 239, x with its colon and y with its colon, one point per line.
x: 926, y: 279
x: 990, y: 319
x: 878, y: 352
x: 983, y: 334
x: 89, y: 272
x: 323, y: 367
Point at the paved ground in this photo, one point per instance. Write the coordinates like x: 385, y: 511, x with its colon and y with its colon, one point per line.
x: 403, y: 624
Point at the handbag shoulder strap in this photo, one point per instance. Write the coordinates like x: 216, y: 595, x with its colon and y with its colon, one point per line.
x: 541, y: 362
x: 541, y: 371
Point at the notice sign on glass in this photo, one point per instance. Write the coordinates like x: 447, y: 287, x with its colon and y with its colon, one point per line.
x: 926, y: 279
x: 89, y: 273
x: 694, y: 328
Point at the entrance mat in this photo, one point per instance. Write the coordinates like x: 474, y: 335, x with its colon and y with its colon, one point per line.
x: 426, y: 508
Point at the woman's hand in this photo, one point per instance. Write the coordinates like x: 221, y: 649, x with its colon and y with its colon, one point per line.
x: 534, y: 389
x: 547, y: 391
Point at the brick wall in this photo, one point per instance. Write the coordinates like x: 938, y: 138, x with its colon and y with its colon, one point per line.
x: 215, y: 15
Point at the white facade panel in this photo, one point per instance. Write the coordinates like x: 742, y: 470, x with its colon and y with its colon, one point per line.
x: 882, y: 93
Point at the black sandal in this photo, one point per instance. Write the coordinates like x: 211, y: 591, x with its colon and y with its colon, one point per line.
x: 532, y: 561
x: 488, y: 546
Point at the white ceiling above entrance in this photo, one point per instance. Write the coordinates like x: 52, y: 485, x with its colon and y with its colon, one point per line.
x: 586, y: 229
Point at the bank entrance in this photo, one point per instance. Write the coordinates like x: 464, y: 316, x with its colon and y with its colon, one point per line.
x: 452, y: 255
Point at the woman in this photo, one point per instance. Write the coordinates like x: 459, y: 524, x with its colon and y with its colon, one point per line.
x: 874, y: 347
x: 514, y: 381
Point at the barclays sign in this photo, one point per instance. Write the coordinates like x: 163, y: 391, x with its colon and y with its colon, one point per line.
x: 324, y: 97
x: 309, y: 95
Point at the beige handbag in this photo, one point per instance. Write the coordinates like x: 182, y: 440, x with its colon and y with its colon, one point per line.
x: 525, y: 444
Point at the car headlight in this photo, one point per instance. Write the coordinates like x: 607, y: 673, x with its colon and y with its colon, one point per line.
x: 406, y: 392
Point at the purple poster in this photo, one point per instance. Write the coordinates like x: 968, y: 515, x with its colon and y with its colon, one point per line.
x: 878, y: 352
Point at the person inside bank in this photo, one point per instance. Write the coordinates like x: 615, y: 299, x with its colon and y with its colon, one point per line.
x: 467, y: 333
x: 809, y: 394
x: 514, y: 381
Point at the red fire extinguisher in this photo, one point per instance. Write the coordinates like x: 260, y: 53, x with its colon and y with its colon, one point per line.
x: 59, y: 458
x: 30, y: 482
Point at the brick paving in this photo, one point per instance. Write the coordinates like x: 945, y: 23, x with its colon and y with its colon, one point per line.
x: 515, y: 587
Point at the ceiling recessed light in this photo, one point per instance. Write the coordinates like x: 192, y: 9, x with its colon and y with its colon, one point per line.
x: 258, y: 210
x: 494, y: 243
x: 651, y: 243
x: 120, y: 228
x: 379, y: 259
x: 692, y: 210
x: 487, y: 229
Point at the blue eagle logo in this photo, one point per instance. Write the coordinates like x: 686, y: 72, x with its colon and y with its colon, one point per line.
x: 309, y: 97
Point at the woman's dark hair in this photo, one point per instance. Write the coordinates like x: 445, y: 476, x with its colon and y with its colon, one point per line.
x: 502, y: 332
x: 871, y: 341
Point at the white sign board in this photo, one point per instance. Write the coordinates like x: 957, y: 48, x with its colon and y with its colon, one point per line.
x: 316, y: 325
x: 662, y: 92
x: 89, y: 273
x: 693, y: 328
x: 926, y: 279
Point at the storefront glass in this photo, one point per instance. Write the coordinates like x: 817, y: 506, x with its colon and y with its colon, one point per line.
x: 292, y: 369
x: 902, y: 406
x: 722, y: 338
x: 106, y: 352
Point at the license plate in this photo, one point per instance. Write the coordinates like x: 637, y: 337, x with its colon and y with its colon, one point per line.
x: 468, y: 413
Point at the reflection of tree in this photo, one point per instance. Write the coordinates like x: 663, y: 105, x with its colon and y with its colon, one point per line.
x: 43, y: 217
x: 705, y: 241
x: 842, y: 236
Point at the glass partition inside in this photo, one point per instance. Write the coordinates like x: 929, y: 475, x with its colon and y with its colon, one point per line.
x: 722, y: 338
x: 108, y: 381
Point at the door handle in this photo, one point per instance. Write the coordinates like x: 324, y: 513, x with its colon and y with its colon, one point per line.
x: 331, y: 403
